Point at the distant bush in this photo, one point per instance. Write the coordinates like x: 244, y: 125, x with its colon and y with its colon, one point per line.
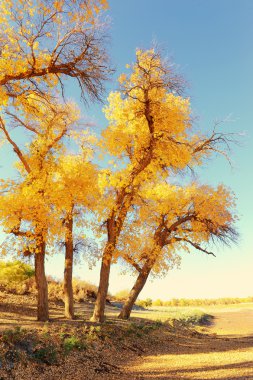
x: 82, y: 290
x: 202, y: 302
x: 121, y: 295
x: 15, y: 271
x: 157, y: 302
x: 195, y: 318
x: 17, y: 277
x: 144, y: 303
x: 142, y: 328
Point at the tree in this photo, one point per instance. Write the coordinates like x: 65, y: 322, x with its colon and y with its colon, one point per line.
x: 149, y: 132
x: 25, y: 207
x: 172, y: 218
x: 76, y: 194
x: 40, y: 46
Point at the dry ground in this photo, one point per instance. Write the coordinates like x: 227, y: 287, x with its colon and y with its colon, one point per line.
x: 222, y: 351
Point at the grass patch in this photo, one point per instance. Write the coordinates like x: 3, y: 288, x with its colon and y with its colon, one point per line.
x: 73, y: 343
x: 183, y: 315
x: 13, y: 336
x: 195, y: 318
x: 46, y: 354
x: 142, y: 328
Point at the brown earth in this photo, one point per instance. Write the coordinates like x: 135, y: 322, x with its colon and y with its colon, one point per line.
x: 222, y: 351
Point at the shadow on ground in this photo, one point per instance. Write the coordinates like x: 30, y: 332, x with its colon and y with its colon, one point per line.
x: 186, y: 355
x: 169, y: 352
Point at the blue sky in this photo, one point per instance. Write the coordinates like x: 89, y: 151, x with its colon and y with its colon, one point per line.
x: 211, y: 43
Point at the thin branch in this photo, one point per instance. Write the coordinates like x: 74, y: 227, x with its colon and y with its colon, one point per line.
x: 27, y: 126
x: 15, y: 147
x: 131, y: 261
x: 195, y: 245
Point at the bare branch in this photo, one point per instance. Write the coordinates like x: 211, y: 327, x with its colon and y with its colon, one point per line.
x: 195, y: 245
x: 25, y: 125
x: 15, y: 147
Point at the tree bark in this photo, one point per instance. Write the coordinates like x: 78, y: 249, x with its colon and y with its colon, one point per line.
x: 99, y: 310
x: 68, y: 269
x: 160, y: 236
x: 135, y: 291
x: 41, y: 282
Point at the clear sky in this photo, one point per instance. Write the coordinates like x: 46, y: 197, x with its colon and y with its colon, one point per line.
x: 211, y: 42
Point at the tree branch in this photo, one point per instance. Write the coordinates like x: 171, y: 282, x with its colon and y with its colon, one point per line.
x: 131, y: 261
x: 15, y: 147
x: 195, y: 245
x: 16, y: 118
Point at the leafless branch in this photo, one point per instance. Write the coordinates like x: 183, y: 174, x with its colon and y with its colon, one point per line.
x: 15, y: 146
x: 195, y: 245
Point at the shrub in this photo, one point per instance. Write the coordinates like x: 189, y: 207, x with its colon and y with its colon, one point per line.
x: 121, y: 295
x: 195, y: 318
x: 72, y: 343
x: 13, y: 335
x: 144, y: 303
x: 17, y: 277
x: 15, y: 272
x: 55, y: 290
x: 157, y: 302
x: 142, y: 328
x: 46, y: 354
x: 82, y: 290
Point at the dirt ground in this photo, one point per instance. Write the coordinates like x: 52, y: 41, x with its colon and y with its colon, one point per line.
x: 224, y: 351
x: 221, y: 351
x: 233, y: 322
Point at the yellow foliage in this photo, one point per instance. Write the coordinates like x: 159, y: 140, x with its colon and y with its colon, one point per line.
x: 51, y: 181
x: 39, y: 40
x: 171, y: 218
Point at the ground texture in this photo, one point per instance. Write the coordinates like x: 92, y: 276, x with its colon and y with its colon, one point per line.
x: 140, y: 349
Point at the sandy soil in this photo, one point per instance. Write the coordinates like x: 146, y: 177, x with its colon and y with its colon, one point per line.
x: 222, y: 351
x: 233, y: 322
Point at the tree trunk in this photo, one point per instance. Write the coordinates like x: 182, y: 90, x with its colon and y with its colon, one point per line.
x: 136, y: 289
x: 68, y: 270
x: 99, y: 310
x: 41, y: 282
x: 159, y: 239
x: 115, y: 224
